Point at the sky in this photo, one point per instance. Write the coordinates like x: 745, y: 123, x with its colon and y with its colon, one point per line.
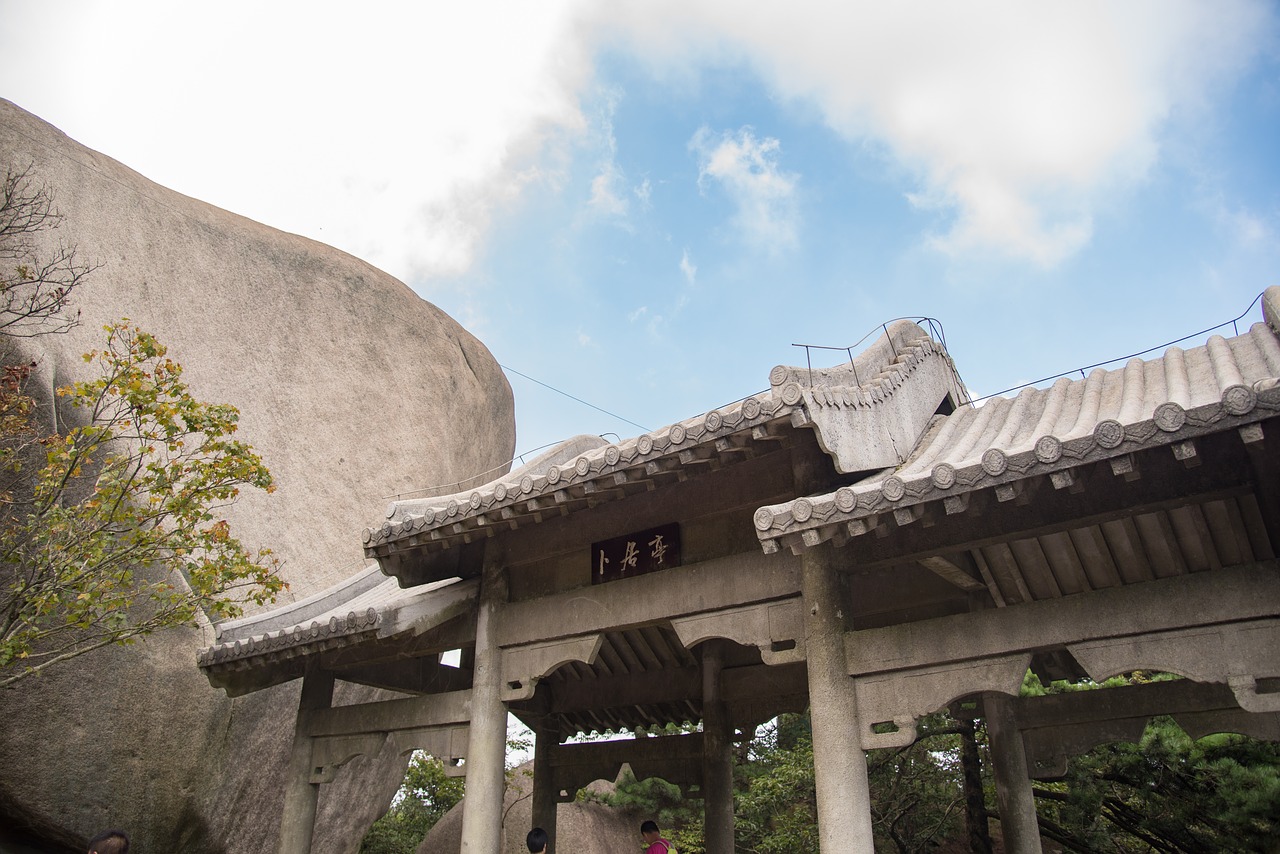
x: 641, y: 207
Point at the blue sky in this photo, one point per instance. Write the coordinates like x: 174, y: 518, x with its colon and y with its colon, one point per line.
x: 646, y: 204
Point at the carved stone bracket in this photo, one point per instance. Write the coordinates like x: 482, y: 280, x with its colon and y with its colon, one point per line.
x: 902, y: 697
x: 523, y: 666
x: 436, y: 723
x: 775, y: 628
x: 448, y: 744
x: 1239, y: 654
x: 1057, y: 727
x: 330, y: 753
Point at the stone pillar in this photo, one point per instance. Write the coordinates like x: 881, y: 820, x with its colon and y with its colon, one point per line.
x: 545, y: 795
x: 487, y: 745
x: 717, y: 755
x: 300, y: 795
x: 1018, y: 823
x: 840, y: 766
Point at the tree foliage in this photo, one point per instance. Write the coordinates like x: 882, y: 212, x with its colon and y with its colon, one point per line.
x: 917, y: 797
x: 777, y: 807
x: 1166, y: 793
x: 916, y: 794
x: 108, y: 529
x: 423, y: 799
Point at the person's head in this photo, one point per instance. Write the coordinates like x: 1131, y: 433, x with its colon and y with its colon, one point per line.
x: 110, y: 842
x: 649, y: 832
x: 536, y: 840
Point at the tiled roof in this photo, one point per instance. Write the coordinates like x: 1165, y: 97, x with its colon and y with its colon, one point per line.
x: 588, y: 465
x: 1165, y: 401
x: 366, y: 605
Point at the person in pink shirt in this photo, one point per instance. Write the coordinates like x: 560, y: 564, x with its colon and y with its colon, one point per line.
x: 654, y: 843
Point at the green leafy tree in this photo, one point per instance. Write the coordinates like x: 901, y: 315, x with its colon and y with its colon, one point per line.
x: 1166, y: 793
x: 425, y: 796
x: 777, y: 808
x: 107, y: 526
x: 109, y: 529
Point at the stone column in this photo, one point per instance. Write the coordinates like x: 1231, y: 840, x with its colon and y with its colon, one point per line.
x: 1018, y: 823
x: 300, y: 795
x: 487, y: 745
x: 717, y: 755
x: 545, y: 795
x: 840, y: 766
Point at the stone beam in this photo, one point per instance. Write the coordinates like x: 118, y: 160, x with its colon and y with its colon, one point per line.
x: 446, y: 743
x: 330, y: 754
x: 890, y: 703
x: 740, y: 686
x: 451, y: 709
x: 713, y: 585
x: 1250, y: 591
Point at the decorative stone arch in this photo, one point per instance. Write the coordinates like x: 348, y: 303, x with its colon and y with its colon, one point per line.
x: 901, y: 698
x: 1243, y: 655
x: 882, y: 551
x: 774, y: 628
x: 524, y: 666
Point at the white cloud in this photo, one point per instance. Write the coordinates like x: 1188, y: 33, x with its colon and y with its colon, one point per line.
x: 394, y: 132
x: 609, y: 187
x: 1017, y: 119
x: 748, y: 170
x: 397, y: 132
x: 605, y: 199
x: 687, y: 267
x: 643, y: 192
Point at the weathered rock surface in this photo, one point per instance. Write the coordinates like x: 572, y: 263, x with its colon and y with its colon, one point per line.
x: 581, y: 827
x: 351, y: 387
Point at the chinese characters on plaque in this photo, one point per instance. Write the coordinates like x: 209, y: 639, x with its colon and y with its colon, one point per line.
x: 635, y: 554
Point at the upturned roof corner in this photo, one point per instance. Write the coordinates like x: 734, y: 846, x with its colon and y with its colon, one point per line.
x: 870, y: 413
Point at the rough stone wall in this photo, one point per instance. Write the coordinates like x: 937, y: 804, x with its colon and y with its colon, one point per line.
x: 351, y: 387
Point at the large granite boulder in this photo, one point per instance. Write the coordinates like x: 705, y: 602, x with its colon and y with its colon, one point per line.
x: 352, y: 388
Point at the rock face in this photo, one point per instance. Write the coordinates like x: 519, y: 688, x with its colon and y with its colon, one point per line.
x: 352, y: 389
x: 581, y: 827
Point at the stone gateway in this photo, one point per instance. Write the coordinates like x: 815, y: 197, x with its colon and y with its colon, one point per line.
x: 862, y: 541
